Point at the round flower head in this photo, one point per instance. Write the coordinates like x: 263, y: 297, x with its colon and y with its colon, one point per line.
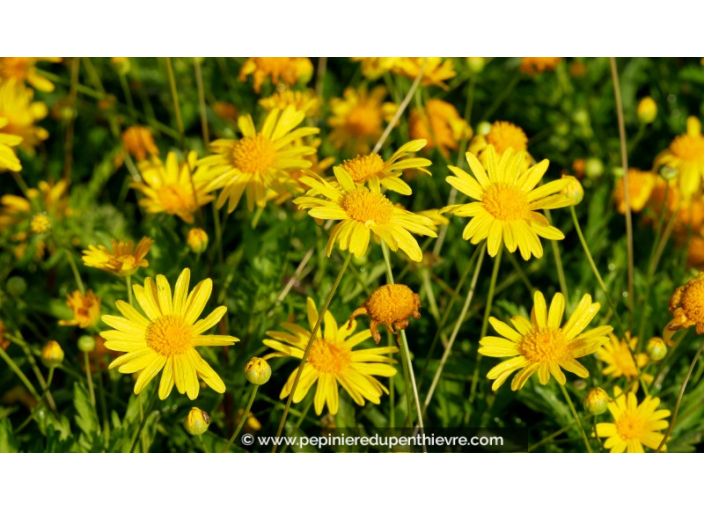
x: 123, y: 260
x: 85, y: 308
x: 287, y: 70
x: 260, y: 162
x: 257, y: 371
x: 640, y: 187
x: 635, y: 425
x: 197, y: 240
x: 686, y: 154
x: 596, y: 402
x: 390, y: 305
x: 363, y: 211
x: 52, y: 354
x: 439, y: 123
x: 507, y: 203
x: 537, y: 65
x: 502, y: 136
x: 373, y: 169
x: 332, y: 360
x: 138, y: 141
x: 435, y: 70
x: 687, y: 305
x: 167, y: 337
x: 8, y: 158
x: 196, y: 422
x: 620, y: 360
x: 647, y: 110
x: 542, y: 344
x: 40, y: 223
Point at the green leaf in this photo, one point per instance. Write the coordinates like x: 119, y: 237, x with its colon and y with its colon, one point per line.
x: 8, y: 444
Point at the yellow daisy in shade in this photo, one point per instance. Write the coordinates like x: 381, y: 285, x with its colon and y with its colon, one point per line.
x: 507, y: 203
x: 635, y: 425
x: 167, y: 337
x: 542, y: 344
x: 85, y: 308
x: 260, y: 162
x: 373, y: 169
x: 172, y: 188
x: 502, y: 136
x: 687, y: 306
x: 620, y: 360
x: 686, y: 153
x: 24, y: 69
x: 358, y: 118
x: 139, y: 142
x: 21, y: 114
x: 537, y: 65
x: 123, y: 260
x: 374, y: 67
x: 306, y: 101
x: 8, y: 158
x: 332, y: 360
x: 363, y: 211
x: 440, y: 124
x: 435, y: 70
x: 285, y: 70
x: 640, y: 187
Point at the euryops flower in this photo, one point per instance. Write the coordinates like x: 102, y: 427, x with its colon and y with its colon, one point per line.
x: 687, y: 306
x: 138, y: 141
x: 390, y: 305
x: 507, y: 203
x: 8, y: 158
x: 620, y: 360
x: 306, y: 101
x: 85, y: 308
x: 166, y: 339
x: 502, y: 136
x: 640, y: 187
x: 285, y: 70
x: 364, y: 210
x: 440, y: 124
x: 123, y: 260
x: 436, y: 70
x: 537, y: 65
x: 686, y: 154
x: 259, y: 163
x: 542, y: 344
x: 24, y: 69
x: 332, y: 360
x: 21, y: 114
x: 635, y: 425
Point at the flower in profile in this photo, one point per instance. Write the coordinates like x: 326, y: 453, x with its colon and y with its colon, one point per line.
x: 306, y: 101
x: 123, y: 260
x: 435, y: 216
x: 259, y: 163
x: 620, y: 360
x: 24, y: 69
x: 502, y: 136
x: 374, y: 170
x: 375, y: 67
x: 574, y: 190
x: 542, y: 344
x: 635, y: 425
x: 139, y: 142
x: 647, y: 110
x: 357, y: 118
x: 686, y: 154
x: 435, y: 70
x: 687, y: 306
x: 640, y: 186
x: 285, y: 70
x: 172, y: 188
x: 364, y: 210
x: 85, y: 308
x: 390, y: 305
x: 440, y: 124
x: 20, y: 114
x: 167, y: 337
x: 506, y: 203
x: 332, y: 360
x: 538, y: 65
x: 8, y: 158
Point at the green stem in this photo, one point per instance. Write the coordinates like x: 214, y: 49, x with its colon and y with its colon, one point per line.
x: 19, y: 374
x: 89, y: 378
x: 576, y: 417
x: 311, y: 340
x: 128, y: 280
x: 299, y: 422
x: 177, y: 108
x: 243, y: 419
x: 144, y: 419
x: 549, y: 438
x: 201, y: 103
x: 76, y: 274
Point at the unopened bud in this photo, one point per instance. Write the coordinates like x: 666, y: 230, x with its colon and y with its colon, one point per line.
x: 257, y: 371
x: 196, y: 422
x: 656, y: 349
x: 668, y: 173
x: 52, y: 354
x: 596, y: 402
x: 197, y: 240
x: 574, y: 190
x: 86, y: 343
x: 476, y: 64
x: 647, y: 110
x: 16, y: 286
x: 593, y: 168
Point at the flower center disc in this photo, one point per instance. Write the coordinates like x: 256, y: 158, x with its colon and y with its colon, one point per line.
x: 367, y: 207
x: 329, y: 357
x: 173, y: 200
x: 693, y: 301
x: 503, y: 136
x: 391, y: 303
x: 629, y: 426
x: 362, y: 168
x: 169, y: 335
x: 505, y: 202
x: 253, y: 154
x: 544, y: 346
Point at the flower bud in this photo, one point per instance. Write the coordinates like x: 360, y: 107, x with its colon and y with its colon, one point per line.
x: 593, y: 168
x: 257, y: 371
x: 573, y: 190
x: 16, y: 286
x: 483, y: 128
x: 596, y: 402
x: 647, y: 110
x: 121, y: 63
x: 476, y: 64
x: 86, y: 343
x: 197, y: 240
x: 52, y: 354
x: 668, y: 173
x: 196, y: 422
x: 656, y: 349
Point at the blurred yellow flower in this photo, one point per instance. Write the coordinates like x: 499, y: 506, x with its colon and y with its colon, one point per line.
x: 620, y: 360
x: 332, y: 360
x: 502, y: 136
x: 303, y: 101
x: 172, y: 188
x: 197, y: 240
x: 542, y: 344
x: 39, y: 223
x: 440, y: 124
x: 686, y: 154
x: 537, y: 65
x: 640, y: 186
x: 687, y: 305
x: 123, y: 260
x: 167, y: 337
x: 85, y: 308
x: 20, y: 114
x: 24, y: 69
x: 8, y: 158
x: 259, y: 162
x: 435, y: 70
x: 374, y: 67
x: 288, y: 70
x: 138, y: 141
x: 506, y: 203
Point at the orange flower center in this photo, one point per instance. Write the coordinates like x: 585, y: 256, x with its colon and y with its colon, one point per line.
x: 692, y: 301
x: 175, y: 199
x: 544, y: 346
x: 169, y: 335
x: 329, y: 357
x: 688, y: 148
x: 391, y: 303
x: 506, y: 202
x: 253, y: 154
x: 362, y: 168
x: 364, y: 120
x: 367, y: 207
x: 630, y: 426
x: 504, y: 135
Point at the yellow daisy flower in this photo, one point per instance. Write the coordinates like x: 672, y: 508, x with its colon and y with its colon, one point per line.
x: 502, y: 136
x: 363, y: 211
x: 85, y: 308
x: 138, y: 141
x: 306, y: 101
x: 259, y: 162
x: 8, y: 158
x: 21, y: 114
x: 373, y: 169
x: 374, y: 67
x: 537, y: 65
x: 507, y: 204
x: 541, y: 344
x: 288, y: 70
x: 167, y: 337
x: 440, y: 124
x: 435, y: 70
x: 332, y: 360
x: 686, y: 153
x: 172, y: 188
x: 687, y: 306
x: 640, y: 186
x: 635, y: 425
x: 358, y: 117
x: 123, y: 260
x: 24, y: 69
x: 619, y: 359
